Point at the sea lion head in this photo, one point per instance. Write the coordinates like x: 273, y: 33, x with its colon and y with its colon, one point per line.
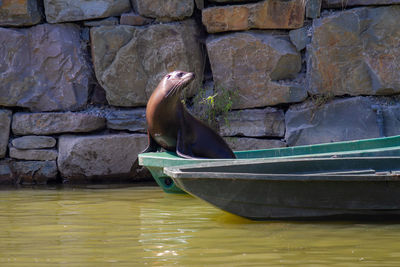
x: 174, y: 82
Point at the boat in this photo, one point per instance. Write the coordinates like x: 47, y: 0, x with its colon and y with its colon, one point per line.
x: 297, y: 189
x: 385, y: 146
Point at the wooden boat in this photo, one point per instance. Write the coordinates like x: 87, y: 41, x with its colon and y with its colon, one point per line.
x: 386, y: 146
x: 307, y: 188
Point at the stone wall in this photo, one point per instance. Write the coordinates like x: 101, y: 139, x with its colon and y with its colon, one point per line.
x: 75, y: 77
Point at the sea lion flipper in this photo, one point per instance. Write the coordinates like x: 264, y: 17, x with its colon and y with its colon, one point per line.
x: 152, y: 146
x: 182, y: 148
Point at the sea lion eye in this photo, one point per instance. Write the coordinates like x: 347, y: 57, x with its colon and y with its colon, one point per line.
x: 180, y: 74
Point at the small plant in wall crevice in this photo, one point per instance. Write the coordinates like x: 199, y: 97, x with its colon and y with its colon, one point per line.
x: 211, y: 107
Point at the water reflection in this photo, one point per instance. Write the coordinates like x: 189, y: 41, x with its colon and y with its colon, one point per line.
x: 144, y: 226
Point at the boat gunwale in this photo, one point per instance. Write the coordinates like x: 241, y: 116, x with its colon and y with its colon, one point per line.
x: 385, y: 144
x: 177, y: 172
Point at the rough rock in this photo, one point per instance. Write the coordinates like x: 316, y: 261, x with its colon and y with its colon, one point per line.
x: 164, y: 10
x: 19, y: 13
x: 134, y: 19
x: 131, y: 120
x: 33, y: 142
x: 7, y: 176
x: 355, y: 52
x: 243, y: 143
x: 84, y: 158
x: 350, y: 3
x: 55, y: 123
x: 255, y: 123
x: 45, y: 70
x: 130, y: 61
x: 73, y: 10
x: 5, y: 122
x: 391, y: 117
x: 111, y: 21
x: 269, y: 14
x: 336, y: 120
x: 250, y: 62
x: 388, y: 113
x: 300, y: 38
x: 35, y: 172
x: 313, y: 9
x: 33, y: 154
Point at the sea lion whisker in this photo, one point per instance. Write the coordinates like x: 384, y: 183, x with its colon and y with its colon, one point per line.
x: 171, y: 91
x: 175, y: 88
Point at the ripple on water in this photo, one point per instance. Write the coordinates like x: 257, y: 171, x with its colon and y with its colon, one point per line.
x: 144, y: 226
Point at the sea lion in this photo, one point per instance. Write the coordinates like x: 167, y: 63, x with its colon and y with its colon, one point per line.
x: 172, y: 127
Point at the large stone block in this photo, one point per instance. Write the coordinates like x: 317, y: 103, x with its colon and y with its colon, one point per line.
x: 269, y: 14
x: 110, y: 21
x: 33, y: 142
x: 130, y: 61
x: 232, y: 1
x: 252, y: 63
x: 83, y: 158
x: 313, y: 8
x: 55, y: 123
x: 134, y: 19
x: 33, y: 154
x: 43, y: 68
x: 391, y: 116
x: 300, y: 38
x: 388, y: 114
x: 35, y: 172
x: 73, y: 10
x: 5, y: 122
x: 244, y: 143
x: 19, y: 13
x: 7, y: 176
x: 164, y: 10
x: 350, y: 3
x: 254, y: 123
x: 337, y: 120
x: 355, y: 52
x: 131, y: 120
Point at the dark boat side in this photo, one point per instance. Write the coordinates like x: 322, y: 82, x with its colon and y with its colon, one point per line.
x: 298, y: 189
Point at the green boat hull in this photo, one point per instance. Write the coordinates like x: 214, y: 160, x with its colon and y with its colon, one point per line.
x: 305, y: 188
x: 386, y: 146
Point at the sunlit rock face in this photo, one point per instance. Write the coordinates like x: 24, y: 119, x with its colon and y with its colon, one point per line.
x: 355, y: 52
x: 33, y: 142
x: 258, y: 65
x: 74, y: 10
x: 339, y: 119
x: 19, y: 13
x: 130, y: 61
x: 82, y: 158
x: 43, y: 68
x: 162, y: 10
x: 271, y: 14
x: 245, y: 143
x: 254, y: 123
x: 55, y: 123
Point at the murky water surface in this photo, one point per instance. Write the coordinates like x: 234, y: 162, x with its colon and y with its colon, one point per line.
x: 139, y: 226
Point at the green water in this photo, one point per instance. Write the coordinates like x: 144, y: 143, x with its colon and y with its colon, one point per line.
x: 142, y: 226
